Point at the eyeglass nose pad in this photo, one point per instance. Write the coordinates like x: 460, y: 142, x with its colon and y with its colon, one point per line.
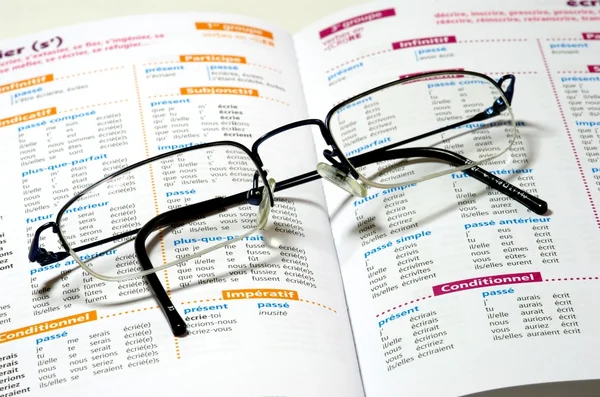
x: 341, y: 180
x: 264, y: 208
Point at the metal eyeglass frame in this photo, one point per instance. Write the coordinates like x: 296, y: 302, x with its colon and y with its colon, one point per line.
x: 344, y: 166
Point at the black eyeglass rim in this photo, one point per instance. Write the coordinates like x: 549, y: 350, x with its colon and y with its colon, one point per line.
x: 339, y: 154
x: 255, y: 160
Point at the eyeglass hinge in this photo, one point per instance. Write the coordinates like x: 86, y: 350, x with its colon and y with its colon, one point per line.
x: 45, y: 258
x: 254, y: 196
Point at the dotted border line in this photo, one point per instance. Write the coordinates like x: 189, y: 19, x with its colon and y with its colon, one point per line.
x: 492, y: 40
x: 161, y: 63
x: 275, y: 100
x: 163, y: 95
x: 434, y: 296
x: 359, y: 58
x: 340, y: 101
x: 572, y: 278
x: 564, y: 39
x: 90, y: 72
x: 128, y: 312
x: 318, y: 304
x: 261, y: 96
x: 220, y: 299
x: 201, y: 300
x: 522, y: 72
x: 92, y: 106
x: 573, y: 71
x: 177, y: 350
x: 263, y: 66
x: 405, y: 304
x: 572, y: 143
x: 260, y: 65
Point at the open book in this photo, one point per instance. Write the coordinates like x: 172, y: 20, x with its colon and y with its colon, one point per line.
x: 442, y: 288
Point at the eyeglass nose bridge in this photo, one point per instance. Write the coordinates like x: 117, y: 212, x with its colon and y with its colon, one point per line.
x: 337, y: 174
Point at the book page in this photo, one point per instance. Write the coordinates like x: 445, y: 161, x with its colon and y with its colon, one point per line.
x: 266, y: 316
x: 452, y: 287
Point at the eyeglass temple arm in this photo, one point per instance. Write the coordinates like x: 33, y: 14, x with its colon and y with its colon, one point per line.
x: 498, y: 106
x: 533, y: 203
x: 173, y: 217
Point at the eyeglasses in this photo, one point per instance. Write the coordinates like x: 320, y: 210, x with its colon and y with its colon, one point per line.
x: 219, y: 193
